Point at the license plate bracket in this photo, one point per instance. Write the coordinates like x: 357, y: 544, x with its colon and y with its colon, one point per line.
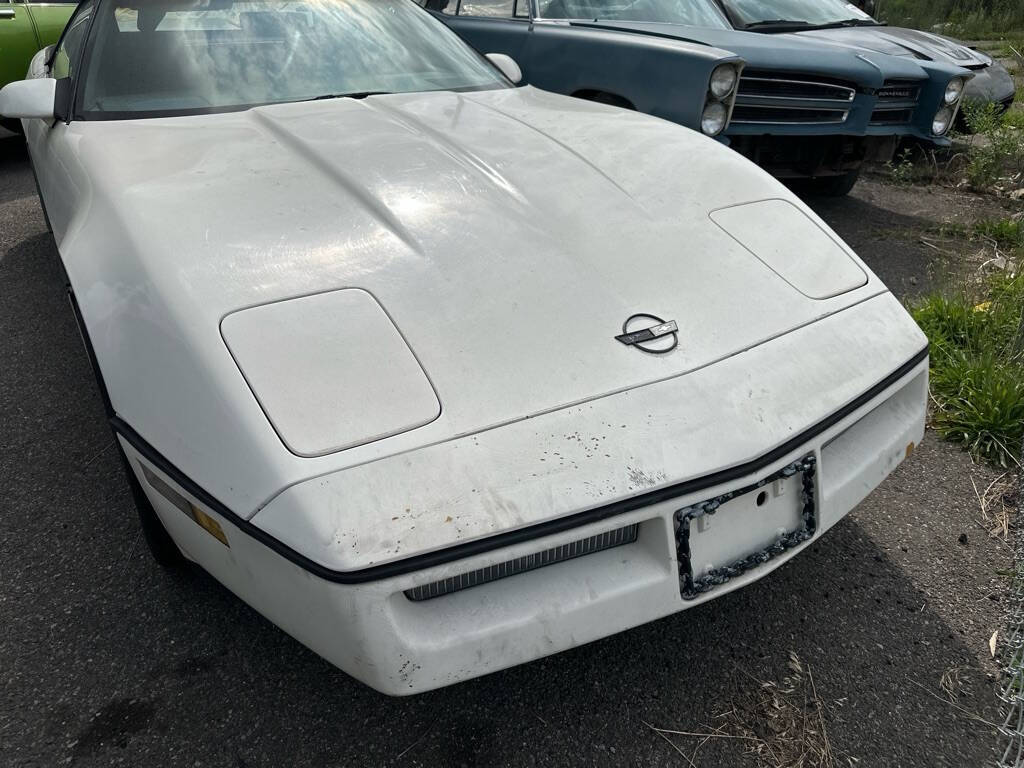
x: 695, y: 579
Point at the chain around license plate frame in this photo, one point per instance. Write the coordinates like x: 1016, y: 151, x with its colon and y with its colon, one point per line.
x: 691, y: 588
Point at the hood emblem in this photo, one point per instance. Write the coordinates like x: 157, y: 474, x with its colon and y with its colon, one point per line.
x: 635, y: 335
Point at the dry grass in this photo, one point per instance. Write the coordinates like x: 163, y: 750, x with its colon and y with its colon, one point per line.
x: 787, y: 723
x: 998, y: 504
x: 781, y: 725
x: 950, y: 682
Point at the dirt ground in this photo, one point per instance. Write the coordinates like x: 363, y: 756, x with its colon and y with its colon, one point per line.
x: 898, y: 230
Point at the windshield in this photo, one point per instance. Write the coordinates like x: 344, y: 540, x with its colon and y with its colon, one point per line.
x: 801, y: 12
x: 691, y: 13
x: 161, y: 57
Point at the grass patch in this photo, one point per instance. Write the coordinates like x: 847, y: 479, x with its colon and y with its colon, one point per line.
x: 901, y: 168
x: 1015, y: 117
x: 965, y: 18
x: 996, y: 150
x: 977, y: 361
x: 990, y: 158
x: 1006, y: 234
x: 1010, y: 48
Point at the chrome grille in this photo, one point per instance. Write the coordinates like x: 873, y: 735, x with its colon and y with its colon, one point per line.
x: 766, y: 98
x: 779, y: 88
x: 744, y: 113
x: 602, y: 541
x: 897, y: 100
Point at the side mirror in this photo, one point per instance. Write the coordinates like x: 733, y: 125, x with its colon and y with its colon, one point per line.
x: 507, y: 65
x: 29, y: 99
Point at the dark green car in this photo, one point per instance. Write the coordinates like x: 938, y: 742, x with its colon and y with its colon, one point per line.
x: 25, y: 27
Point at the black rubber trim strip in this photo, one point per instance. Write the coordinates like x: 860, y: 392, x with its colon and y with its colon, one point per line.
x: 471, y: 548
x: 89, y: 351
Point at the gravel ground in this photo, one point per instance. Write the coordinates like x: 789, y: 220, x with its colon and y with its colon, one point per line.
x: 108, y: 660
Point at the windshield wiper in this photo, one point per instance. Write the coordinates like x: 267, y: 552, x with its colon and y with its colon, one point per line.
x: 788, y: 25
x: 350, y: 95
x: 849, y: 23
x: 777, y: 23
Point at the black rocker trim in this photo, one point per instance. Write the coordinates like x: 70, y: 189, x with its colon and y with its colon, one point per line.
x: 471, y: 548
x: 90, y: 352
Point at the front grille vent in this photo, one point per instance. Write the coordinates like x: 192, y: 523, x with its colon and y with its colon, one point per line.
x: 892, y: 116
x: 768, y: 86
x: 602, y: 541
x: 767, y: 98
x: 744, y: 113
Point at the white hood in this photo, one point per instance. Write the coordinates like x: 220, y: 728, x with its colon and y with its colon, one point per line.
x: 506, y: 234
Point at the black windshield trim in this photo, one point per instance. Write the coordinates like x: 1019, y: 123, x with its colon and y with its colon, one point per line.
x: 153, y: 114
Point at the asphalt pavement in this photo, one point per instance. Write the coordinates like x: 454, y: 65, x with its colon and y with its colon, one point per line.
x: 108, y: 660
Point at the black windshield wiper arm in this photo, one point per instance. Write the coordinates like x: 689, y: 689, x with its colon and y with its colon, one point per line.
x: 780, y: 23
x: 848, y: 23
x: 351, y: 95
x: 786, y: 25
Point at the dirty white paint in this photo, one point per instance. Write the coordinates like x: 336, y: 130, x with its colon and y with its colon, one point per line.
x: 506, y: 235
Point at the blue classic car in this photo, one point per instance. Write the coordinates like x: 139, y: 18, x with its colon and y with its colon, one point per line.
x: 684, y: 81
x: 835, y: 21
x: 803, y: 109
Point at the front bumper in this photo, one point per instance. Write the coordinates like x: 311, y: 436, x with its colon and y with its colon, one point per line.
x: 365, y: 623
x: 808, y: 157
x: 399, y: 646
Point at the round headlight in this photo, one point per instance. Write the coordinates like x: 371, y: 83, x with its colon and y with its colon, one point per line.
x: 953, y: 90
x: 723, y: 80
x: 941, y: 121
x: 712, y: 122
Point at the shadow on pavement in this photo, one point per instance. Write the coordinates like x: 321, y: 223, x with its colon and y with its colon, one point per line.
x: 14, y: 165
x: 110, y: 660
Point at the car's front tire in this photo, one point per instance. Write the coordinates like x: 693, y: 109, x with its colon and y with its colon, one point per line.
x: 832, y: 186
x: 161, y: 545
x: 14, y: 126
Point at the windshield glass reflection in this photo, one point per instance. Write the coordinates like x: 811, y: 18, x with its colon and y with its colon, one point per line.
x: 692, y: 13
x: 812, y: 12
x: 172, y: 56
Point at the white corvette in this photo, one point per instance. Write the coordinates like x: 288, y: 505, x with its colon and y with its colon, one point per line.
x: 448, y: 378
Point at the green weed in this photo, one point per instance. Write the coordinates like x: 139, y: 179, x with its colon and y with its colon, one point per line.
x: 901, y: 168
x: 963, y: 18
x: 977, y: 364
x: 997, y: 146
x: 1005, y: 233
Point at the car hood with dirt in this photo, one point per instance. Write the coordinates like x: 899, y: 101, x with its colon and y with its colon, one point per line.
x: 991, y: 81
x: 561, y: 237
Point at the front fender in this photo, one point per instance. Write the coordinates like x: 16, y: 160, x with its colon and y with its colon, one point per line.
x: 931, y: 98
x: 660, y: 76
